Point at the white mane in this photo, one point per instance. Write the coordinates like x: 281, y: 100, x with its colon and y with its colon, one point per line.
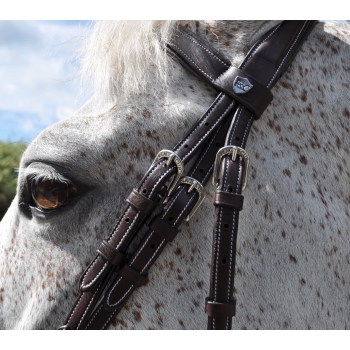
x: 120, y: 56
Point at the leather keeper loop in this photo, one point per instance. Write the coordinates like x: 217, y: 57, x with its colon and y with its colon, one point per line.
x: 216, y: 309
x: 256, y: 98
x: 141, y: 203
x: 108, y: 252
x: 132, y: 276
x: 227, y: 199
x: 163, y: 229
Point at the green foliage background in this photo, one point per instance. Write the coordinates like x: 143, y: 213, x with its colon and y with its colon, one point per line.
x: 10, y: 155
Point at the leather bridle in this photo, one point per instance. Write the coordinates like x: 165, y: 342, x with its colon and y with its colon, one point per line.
x: 112, y: 276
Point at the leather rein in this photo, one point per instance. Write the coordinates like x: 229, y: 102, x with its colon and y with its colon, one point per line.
x: 218, y: 140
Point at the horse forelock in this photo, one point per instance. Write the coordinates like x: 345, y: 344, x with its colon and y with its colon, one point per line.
x: 120, y: 56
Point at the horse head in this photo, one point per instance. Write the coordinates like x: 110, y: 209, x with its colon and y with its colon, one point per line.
x: 292, y: 250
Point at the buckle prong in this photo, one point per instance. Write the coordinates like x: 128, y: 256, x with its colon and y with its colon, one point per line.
x: 233, y: 150
x: 194, y: 184
x: 172, y: 157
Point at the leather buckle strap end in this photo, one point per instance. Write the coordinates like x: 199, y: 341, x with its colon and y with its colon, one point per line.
x: 217, y: 309
x: 111, y: 254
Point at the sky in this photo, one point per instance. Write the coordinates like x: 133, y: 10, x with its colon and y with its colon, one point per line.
x: 39, y: 83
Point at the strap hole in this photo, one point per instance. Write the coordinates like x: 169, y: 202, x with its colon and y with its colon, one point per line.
x: 144, y: 191
x: 165, y: 165
x: 186, y: 146
x: 206, y: 124
x: 229, y: 189
x: 152, y: 246
x: 127, y: 219
x: 223, y: 261
x: 170, y: 219
x: 201, y: 170
x: 237, y: 138
x: 226, y: 225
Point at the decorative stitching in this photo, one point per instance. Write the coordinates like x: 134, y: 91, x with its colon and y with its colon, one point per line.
x: 188, y: 203
x: 102, y: 269
x: 252, y: 53
x: 206, y: 151
x: 203, y: 47
x: 296, y: 39
x: 74, y: 309
x: 217, y: 121
x: 153, y: 255
x: 109, y: 318
x: 190, y: 59
x: 142, y: 248
x: 160, y: 179
x: 99, y: 309
x: 109, y: 295
x: 132, y: 223
x: 205, y: 116
x: 86, y: 309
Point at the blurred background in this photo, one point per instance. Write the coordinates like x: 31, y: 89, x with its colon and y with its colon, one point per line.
x: 39, y: 86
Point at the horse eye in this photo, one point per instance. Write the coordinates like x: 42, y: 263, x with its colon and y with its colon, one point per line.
x: 50, y: 194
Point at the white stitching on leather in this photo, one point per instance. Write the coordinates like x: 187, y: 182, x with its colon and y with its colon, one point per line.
x: 252, y: 53
x: 149, y: 237
x: 188, y: 203
x: 89, y: 284
x: 296, y: 39
x: 194, y: 41
x: 217, y: 121
x: 99, y: 309
x: 206, y: 151
x: 190, y: 59
x: 132, y: 223
x: 109, y: 318
x: 160, y: 179
x: 109, y: 295
x: 213, y: 106
x: 153, y: 255
x: 76, y: 305
x: 86, y: 309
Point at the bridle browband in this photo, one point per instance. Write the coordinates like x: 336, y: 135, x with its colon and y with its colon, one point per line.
x: 112, y: 276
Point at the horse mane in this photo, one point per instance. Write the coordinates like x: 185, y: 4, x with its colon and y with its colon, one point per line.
x: 120, y: 56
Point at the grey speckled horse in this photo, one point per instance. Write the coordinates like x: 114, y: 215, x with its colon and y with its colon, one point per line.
x: 293, y: 249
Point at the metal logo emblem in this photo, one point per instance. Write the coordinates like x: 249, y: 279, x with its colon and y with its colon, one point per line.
x: 241, y: 85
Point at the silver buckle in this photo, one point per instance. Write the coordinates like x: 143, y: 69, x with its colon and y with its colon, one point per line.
x: 172, y: 156
x: 194, y: 184
x: 234, y: 150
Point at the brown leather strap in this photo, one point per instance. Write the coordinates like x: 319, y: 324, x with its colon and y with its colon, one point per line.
x: 95, y: 276
x: 277, y: 47
x: 177, y: 208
